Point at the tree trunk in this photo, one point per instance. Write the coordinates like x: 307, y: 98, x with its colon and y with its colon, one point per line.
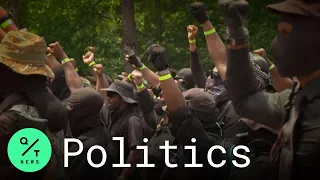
x: 129, y: 40
x: 12, y: 6
x: 159, y: 20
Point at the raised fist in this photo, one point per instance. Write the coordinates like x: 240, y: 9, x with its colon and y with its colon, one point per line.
x: 192, y: 32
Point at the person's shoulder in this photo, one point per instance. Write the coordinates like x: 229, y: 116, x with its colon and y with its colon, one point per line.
x: 134, y: 119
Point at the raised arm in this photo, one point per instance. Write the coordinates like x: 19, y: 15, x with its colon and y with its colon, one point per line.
x: 243, y: 90
x: 184, y: 124
x: 102, y: 81
x: 170, y: 91
x: 72, y: 78
x: 195, y: 64
x: 147, y: 74
x: 216, y: 48
x: 146, y: 102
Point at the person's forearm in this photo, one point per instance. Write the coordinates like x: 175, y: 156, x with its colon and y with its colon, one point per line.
x: 52, y: 62
x: 172, y: 95
x: 217, y: 49
x: 192, y: 46
x: 150, y: 77
x: 197, y: 70
x: 72, y: 78
x: 133, y: 159
x: 240, y: 79
x: 145, y: 100
x: 279, y: 83
x: 101, y: 83
x: 146, y: 105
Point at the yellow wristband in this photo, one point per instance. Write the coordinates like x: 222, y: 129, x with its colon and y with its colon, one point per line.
x: 49, y: 54
x: 207, y: 33
x: 140, y: 87
x: 65, y: 60
x: 92, y: 63
x: 129, y: 77
x: 271, y: 67
x: 165, y: 77
x: 192, y: 41
x: 6, y: 23
x: 142, y: 67
x: 154, y: 97
x: 77, y: 69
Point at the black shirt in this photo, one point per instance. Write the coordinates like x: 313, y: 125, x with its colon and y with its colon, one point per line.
x: 79, y: 167
x: 186, y: 127
x: 123, y: 123
x: 299, y: 156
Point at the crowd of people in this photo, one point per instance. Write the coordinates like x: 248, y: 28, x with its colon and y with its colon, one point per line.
x: 271, y: 108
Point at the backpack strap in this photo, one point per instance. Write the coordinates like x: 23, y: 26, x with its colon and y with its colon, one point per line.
x: 9, y: 101
x: 28, y: 117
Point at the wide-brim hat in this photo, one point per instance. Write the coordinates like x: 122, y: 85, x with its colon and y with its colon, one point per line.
x: 300, y: 7
x: 25, y: 53
x: 124, y: 89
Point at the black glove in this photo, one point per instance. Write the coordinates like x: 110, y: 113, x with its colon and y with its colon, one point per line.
x: 235, y: 13
x: 198, y: 11
x: 158, y: 57
x: 134, y: 60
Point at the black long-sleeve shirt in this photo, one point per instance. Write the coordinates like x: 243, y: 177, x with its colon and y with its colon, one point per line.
x: 197, y: 70
x: 186, y: 126
x: 299, y: 156
x: 146, y: 105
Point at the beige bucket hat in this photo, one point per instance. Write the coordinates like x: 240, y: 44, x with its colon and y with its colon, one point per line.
x: 25, y: 53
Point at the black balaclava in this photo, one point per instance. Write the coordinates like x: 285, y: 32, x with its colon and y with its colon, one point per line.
x: 214, y: 85
x: 202, y: 105
x: 86, y: 104
x: 296, y: 53
x: 186, y: 75
x: 158, y: 104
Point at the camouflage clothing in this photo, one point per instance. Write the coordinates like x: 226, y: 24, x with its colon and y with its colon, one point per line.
x: 28, y: 56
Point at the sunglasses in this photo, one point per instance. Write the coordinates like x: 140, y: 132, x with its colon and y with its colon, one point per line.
x: 111, y: 94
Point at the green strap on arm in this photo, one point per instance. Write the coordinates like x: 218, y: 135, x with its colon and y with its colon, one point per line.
x: 6, y: 23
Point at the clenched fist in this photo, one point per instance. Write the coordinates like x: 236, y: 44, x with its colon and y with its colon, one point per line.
x: 192, y: 32
x: 56, y: 50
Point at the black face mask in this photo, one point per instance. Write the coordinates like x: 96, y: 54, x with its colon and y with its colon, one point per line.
x: 296, y: 53
x: 182, y: 86
x: 214, y: 84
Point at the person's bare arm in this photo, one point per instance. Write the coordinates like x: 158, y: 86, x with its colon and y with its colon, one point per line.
x: 279, y: 83
x: 216, y: 48
x: 150, y: 77
x: 147, y: 74
x: 52, y: 61
x: 72, y: 78
x: 172, y: 95
x: 101, y: 82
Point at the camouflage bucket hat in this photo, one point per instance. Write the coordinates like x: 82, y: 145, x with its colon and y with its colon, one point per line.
x: 25, y: 53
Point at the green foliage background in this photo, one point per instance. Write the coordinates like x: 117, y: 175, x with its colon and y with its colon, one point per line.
x: 78, y: 24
